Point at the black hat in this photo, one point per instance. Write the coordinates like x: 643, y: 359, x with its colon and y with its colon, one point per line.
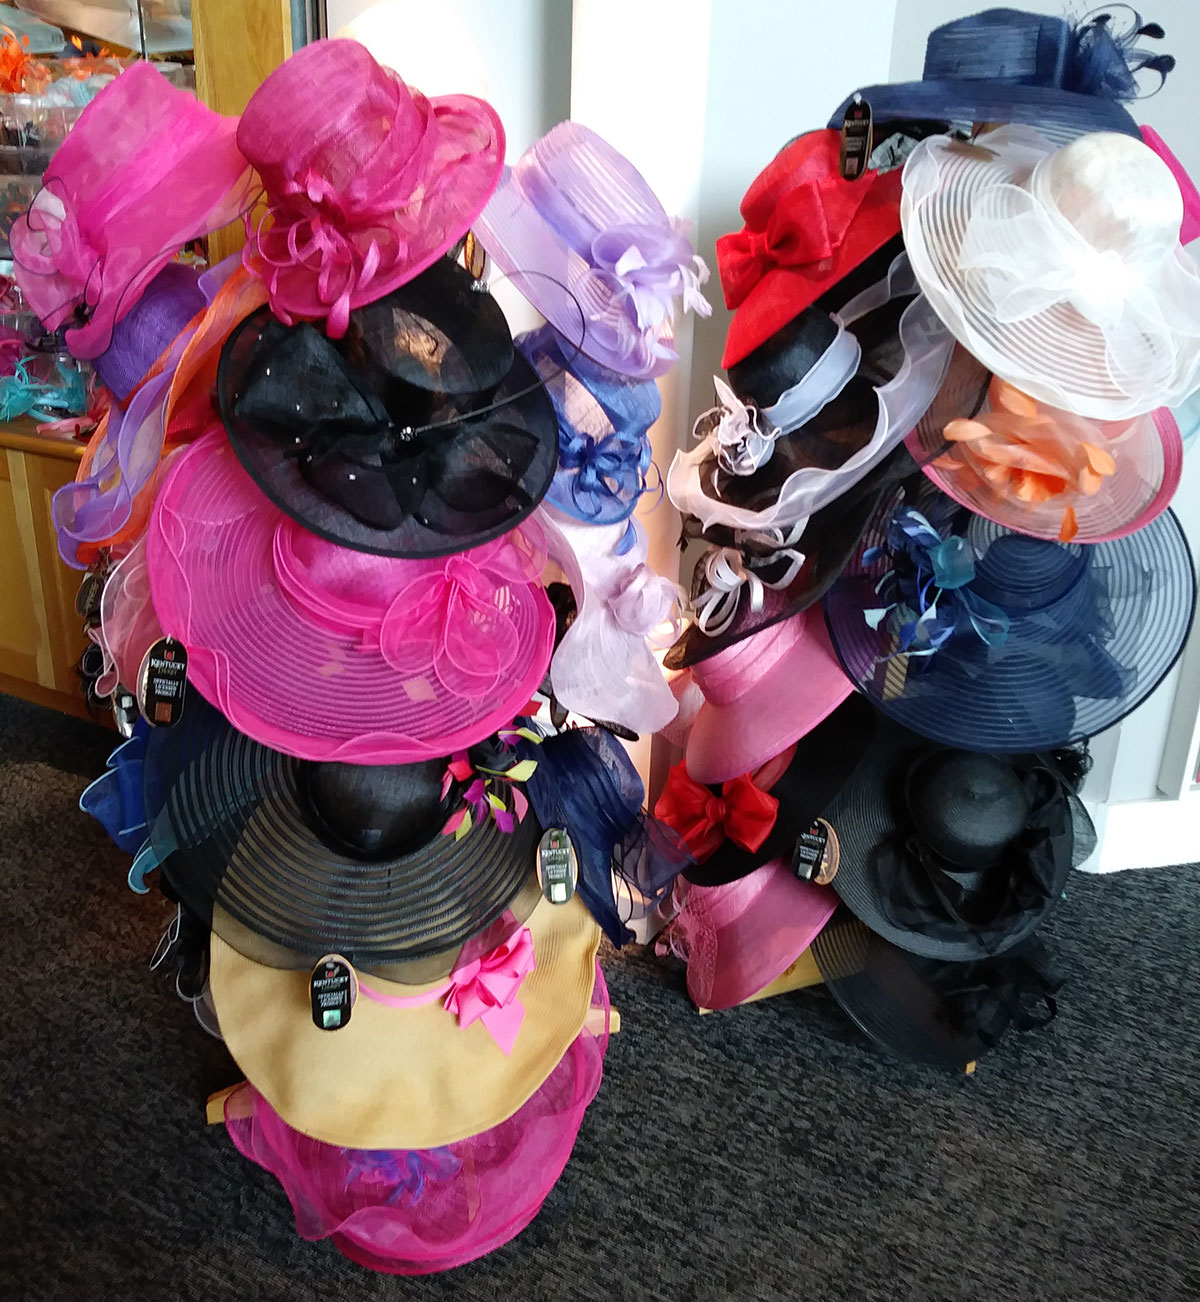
x: 421, y: 432
x: 928, y: 1010
x: 291, y: 859
x: 956, y: 854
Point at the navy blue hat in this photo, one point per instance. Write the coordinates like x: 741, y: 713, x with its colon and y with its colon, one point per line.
x: 1004, y: 65
x: 980, y: 638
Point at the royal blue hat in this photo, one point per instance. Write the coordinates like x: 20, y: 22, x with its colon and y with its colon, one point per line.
x: 604, y: 454
x: 1005, y: 65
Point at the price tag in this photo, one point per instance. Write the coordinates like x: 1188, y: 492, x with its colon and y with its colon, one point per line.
x: 332, y: 989
x: 816, y: 854
x: 162, y: 682
x: 856, y: 139
x: 557, y: 866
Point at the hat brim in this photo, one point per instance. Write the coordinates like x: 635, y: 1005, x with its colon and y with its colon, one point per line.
x: 881, y: 991
x: 238, y: 844
x: 1060, y: 115
x: 404, y: 1077
x: 1056, y: 354
x: 285, y: 680
x: 1149, y: 461
x: 1056, y: 679
x: 778, y: 925
x: 729, y: 740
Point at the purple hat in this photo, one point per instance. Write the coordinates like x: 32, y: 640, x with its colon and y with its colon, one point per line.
x: 582, y: 217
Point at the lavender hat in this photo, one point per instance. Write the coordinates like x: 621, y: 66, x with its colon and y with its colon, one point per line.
x: 582, y: 217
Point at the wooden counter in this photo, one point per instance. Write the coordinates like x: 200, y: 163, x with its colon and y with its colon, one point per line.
x: 41, y: 636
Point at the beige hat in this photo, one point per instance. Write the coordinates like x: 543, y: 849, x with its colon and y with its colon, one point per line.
x: 404, y: 1077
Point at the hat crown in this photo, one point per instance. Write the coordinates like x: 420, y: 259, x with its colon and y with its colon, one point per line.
x: 999, y: 45
x: 1023, y: 574
x: 725, y: 676
x: 374, y: 811
x: 966, y: 807
x: 582, y: 187
x: 1118, y: 195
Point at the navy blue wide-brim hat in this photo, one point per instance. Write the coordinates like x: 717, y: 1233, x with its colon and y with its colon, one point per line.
x: 1046, y: 644
x: 1003, y: 65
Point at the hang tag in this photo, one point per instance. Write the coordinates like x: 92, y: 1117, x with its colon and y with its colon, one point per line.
x: 816, y: 854
x: 557, y: 866
x: 332, y: 989
x: 162, y: 682
x: 125, y: 711
x: 856, y: 139
x: 87, y: 599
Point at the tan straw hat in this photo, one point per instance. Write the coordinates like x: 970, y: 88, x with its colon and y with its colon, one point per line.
x: 407, y: 1077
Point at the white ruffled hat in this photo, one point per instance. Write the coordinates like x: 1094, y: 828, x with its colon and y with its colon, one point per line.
x: 1060, y: 269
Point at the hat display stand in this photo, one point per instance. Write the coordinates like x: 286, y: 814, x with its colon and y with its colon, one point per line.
x: 369, y: 588
x: 996, y: 591
x: 376, y: 769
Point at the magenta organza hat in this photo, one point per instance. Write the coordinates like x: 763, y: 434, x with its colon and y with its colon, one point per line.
x: 327, y: 653
x: 145, y: 169
x: 367, y: 181
x: 413, y: 1212
x: 580, y: 215
x: 762, y: 694
x: 739, y: 937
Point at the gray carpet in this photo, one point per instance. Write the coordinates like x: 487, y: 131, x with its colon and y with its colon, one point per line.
x: 767, y: 1153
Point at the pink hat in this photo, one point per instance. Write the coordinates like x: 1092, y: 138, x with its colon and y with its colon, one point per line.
x: 739, y: 937
x: 145, y: 169
x: 1049, y: 473
x: 368, y: 182
x: 327, y: 653
x: 415, y: 1211
x: 762, y: 694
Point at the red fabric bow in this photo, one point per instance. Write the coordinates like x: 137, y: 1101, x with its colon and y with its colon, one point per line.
x: 743, y: 813
x: 797, y: 233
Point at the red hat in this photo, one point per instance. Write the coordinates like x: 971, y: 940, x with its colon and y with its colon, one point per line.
x: 806, y: 227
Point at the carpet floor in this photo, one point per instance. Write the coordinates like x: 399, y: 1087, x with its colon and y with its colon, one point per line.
x: 764, y: 1153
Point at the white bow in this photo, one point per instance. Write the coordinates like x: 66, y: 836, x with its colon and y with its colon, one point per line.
x: 743, y: 444
x: 727, y: 571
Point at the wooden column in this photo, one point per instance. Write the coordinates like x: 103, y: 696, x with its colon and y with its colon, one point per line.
x: 236, y: 43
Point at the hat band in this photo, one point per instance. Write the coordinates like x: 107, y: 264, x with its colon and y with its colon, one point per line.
x: 829, y: 375
x: 483, y: 990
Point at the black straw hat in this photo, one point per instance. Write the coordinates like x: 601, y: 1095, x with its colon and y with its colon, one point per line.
x: 955, y: 854
x: 302, y: 859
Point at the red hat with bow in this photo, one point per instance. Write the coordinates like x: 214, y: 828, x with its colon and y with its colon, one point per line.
x: 806, y: 228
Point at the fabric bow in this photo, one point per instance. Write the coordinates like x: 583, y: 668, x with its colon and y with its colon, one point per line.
x: 650, y: 267
x: 486, y: 989
x: 1034, y: 454
x: 603, y: 471
x: 728, y: 571
x: 930, y: 578
x: 742, y: 813
x: 642, y: 601
x: 744, y: 445
x: 453, y: 619
x: 797, y: 234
